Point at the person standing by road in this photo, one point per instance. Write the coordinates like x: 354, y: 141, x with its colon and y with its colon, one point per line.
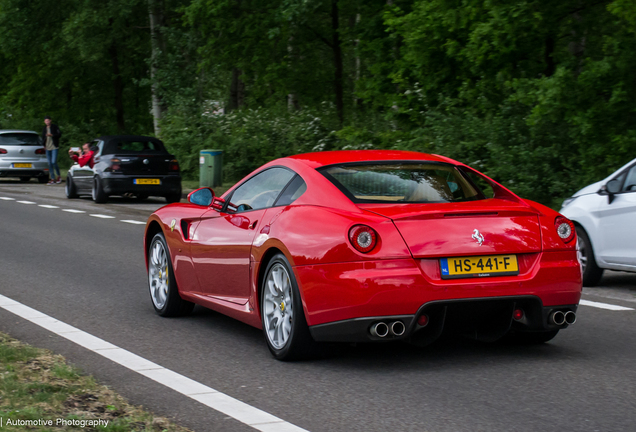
x: 51, y: 138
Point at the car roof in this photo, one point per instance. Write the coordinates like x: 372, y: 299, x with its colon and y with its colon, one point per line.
x: 320, y: 159
x: 3, y: 131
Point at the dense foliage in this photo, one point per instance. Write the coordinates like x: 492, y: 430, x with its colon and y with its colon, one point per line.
x: 539, y: 94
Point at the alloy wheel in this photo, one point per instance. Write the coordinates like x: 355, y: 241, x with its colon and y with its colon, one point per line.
x: 158, y: 274
x: 278, y: 306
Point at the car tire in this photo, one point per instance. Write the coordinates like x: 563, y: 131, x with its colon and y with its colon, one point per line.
x: 98, y: 191
x: 43, y: 179
x: 164, y: 292
x: 174, y: 197
x: 530, y: 338
x: 284, y: 327
x: 592, y: 273
x: 71, y: 188
x: 25, y: 179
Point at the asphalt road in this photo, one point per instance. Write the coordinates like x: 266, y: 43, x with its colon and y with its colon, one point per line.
x: 89, y: 272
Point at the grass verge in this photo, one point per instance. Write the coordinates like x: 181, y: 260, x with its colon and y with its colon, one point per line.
x: 39, y: 391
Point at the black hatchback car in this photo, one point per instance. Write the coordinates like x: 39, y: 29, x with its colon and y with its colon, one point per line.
x: 127, y: 164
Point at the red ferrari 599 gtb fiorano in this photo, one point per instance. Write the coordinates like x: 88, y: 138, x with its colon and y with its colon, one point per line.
x: 365, y: 246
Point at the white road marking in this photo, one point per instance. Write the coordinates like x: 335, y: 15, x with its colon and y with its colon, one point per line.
x: 101, y: 216
x: 208, y: 396
x: 604, y: 305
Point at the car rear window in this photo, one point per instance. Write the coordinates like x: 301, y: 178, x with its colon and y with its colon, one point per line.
x: 18, y: 138
x: 404, y: 182
x: 133, y: 147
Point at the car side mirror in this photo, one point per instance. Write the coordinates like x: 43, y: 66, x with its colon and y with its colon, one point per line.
x: 611, y: 188
x: 203, y: 197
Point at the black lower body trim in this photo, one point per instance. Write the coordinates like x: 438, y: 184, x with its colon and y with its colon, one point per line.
x: 485, y: 319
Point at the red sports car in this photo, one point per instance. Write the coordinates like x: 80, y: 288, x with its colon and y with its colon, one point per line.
x: 366, y: 246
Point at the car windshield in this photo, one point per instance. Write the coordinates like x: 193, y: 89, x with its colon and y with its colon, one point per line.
x: 404, y: 182
x: 17, y: 138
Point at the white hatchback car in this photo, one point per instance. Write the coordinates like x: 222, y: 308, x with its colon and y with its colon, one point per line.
x: 22, y: 155
x: 605, y: 217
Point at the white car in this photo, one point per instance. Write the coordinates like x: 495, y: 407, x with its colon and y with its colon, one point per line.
x: 22, y: 155
x: 605, y: 217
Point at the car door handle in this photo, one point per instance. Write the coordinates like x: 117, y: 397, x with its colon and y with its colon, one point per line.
x: 253, y: 224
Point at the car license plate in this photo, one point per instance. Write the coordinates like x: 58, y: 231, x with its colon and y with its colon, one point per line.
x: 22, y: 165
x: 479, y: 266
x: 147, y: 181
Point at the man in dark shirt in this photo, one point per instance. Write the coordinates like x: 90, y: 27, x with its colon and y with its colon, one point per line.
x: 51, y: 139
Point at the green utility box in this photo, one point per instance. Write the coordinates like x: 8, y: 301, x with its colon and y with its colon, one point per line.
x: 210, y: 168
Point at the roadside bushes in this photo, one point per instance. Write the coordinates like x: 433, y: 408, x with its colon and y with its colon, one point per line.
x: 248, y: 138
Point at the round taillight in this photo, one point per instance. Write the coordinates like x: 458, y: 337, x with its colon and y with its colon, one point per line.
x: 565, y: 229
x: 363, y: 238
x: 517, y: 314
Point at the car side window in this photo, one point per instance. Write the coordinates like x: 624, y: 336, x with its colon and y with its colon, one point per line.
x: 630, y: 181
x: 292, y: 192
x: 97, y: 146
x: 261, y: 190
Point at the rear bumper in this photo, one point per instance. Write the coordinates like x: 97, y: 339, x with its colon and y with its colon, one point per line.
x: 22, y: 172
x: 38, y: 168
x: 486, y: 319
x: 120, y: 185
x: 366, y: 291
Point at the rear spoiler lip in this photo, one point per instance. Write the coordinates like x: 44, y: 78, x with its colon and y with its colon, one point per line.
x: 527, y: 211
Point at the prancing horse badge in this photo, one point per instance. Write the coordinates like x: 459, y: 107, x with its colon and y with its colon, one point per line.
x: 478, y: 237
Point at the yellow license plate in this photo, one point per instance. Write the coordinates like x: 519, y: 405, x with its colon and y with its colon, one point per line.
x: 147, y: 181
x: 479, y: 266
x: 22, y: 165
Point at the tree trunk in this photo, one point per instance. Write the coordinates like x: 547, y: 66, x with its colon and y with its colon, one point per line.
x: 157, y: 44
x: 356, y: 43
x: 237, y: 91
x: 577, y: 46
x: 550, y: 65
x: 118, y: 87
x: 292, y: 98
x: 337, y: 60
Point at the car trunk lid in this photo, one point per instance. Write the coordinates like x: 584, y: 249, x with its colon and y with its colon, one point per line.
x: 144, y: 164
x: 21, y: 153
x: 484, y: 227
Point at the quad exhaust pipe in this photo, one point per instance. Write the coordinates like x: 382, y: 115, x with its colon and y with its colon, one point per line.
x: 398, y: 328
x: 560, y: 318
x: 382, y: 329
